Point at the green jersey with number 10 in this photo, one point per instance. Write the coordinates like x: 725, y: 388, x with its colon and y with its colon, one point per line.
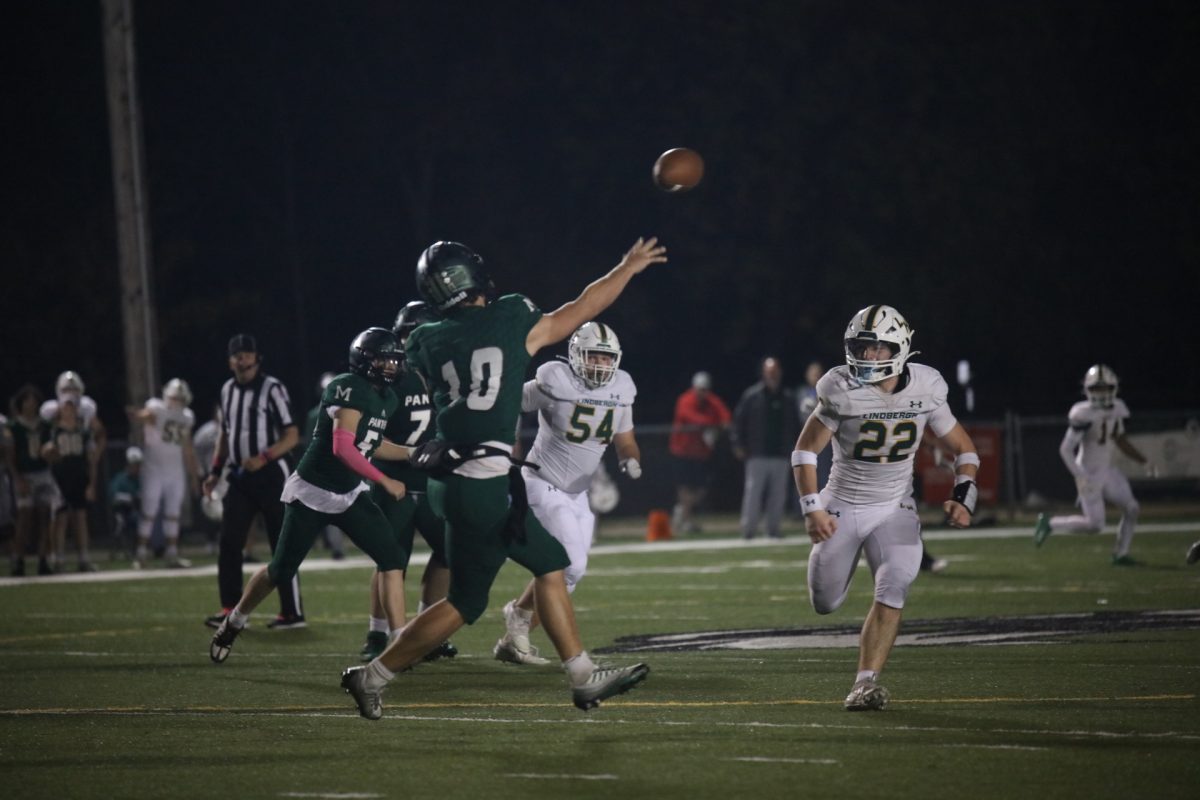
x: 475, y: 362
x: 319, y: 466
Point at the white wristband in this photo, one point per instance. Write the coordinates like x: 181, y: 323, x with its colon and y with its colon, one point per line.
x: 800, y: 457
x: 810, y: 503
x: 966, y: 458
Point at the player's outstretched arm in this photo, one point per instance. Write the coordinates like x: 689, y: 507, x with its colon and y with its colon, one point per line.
x: 599, y: 295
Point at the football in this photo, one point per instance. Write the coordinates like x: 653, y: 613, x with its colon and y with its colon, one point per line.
x: 678, y: 170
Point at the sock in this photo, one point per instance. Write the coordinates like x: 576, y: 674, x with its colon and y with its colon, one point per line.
x: 172, y: 548
x: 866, y: 675
x: 237, y: 619
x: 579, y: 668
x: 526, y: 616
x: 378, y: 625
x: 378, y: 675
x: 171, y: 534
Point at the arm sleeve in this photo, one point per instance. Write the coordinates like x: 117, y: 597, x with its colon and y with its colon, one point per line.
x: 348, y: 454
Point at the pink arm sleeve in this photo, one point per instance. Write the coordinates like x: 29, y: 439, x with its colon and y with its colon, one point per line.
x: 344, y: 449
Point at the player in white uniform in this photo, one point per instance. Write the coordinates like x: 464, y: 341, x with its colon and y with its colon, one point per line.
x: 583, y: 405
x: 875, y: 409
x: 1096, y: 424
x: 69, y: 386
x: 169, y: 467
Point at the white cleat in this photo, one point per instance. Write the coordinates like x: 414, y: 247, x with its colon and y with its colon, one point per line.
x: 606, y: 682
x: 867, y: 696
x: 506, y: 650
x: 369, y: 701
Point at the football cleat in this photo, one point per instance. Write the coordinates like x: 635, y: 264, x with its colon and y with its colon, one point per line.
x: 506, y: 650
x: 370, y: 701
x: 606, y: 682
x: 1193, y: 554
x: 444, y: 650
x: 287, y: 623
x: 376, y: 643
x: 1124, y: 561
x: 215, y: 620
x: 179, y: 562
x: 867, y: 696
x: 1042, y: 531
x: 222, y: 641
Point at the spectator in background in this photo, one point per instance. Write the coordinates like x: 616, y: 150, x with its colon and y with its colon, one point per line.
x: 74, y: 470
x: 766, y: 423
x: 806, y: 402
x: 169, y: 470
x: 700, y: 416
x: 36, y: 492
x: 125, y: 498
x: 257, y: 431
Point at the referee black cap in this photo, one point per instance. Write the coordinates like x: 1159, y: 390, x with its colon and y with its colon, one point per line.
x: 242, y: 343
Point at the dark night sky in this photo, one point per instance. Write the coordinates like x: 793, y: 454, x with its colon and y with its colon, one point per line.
x: 1019, y: 178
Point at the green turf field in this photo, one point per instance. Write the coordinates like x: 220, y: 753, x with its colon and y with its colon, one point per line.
x: 108, y: 691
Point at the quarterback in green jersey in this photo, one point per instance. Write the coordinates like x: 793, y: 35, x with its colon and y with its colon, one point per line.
x: 474, y: 361
x: 411, y: 425
x: 328, y: 486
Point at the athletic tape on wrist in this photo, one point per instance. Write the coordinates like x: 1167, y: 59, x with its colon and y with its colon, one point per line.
x: 966, y: 493
x: 810, y: 503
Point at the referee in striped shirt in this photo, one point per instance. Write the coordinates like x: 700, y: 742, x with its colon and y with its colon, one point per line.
x: 257, y: 432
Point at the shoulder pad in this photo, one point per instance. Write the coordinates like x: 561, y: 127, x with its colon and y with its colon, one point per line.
x: 623, y: 385
x: 517, y: 301
x: 1080, y: 415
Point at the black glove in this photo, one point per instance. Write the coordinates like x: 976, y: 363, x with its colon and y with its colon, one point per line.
x: 514, y: 525
x: 437, y: 457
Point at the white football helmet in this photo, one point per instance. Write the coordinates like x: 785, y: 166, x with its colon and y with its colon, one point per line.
x: 177, y: 389
x: 592, y: 339
x: 69, y: 384
x: 133, y: 454
x: 873, y: 324
x: 1100, y: 386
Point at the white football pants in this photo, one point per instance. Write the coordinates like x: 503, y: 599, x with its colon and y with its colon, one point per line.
x: 1109, y: 484
x: 890, y: 536
x: 568, y: 518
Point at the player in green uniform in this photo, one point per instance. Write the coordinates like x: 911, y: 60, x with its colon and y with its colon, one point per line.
x: 411, y: 425
x: 327, y: 487
x: 475, y: 361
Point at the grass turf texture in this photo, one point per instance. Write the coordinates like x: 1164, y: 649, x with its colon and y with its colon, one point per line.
x: 108, y: 690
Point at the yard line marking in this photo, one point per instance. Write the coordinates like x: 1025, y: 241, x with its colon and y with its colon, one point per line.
x: 994, y: 746
x: 766, y: 760
x: 335, y: 795
x: 624, y: 704
x: 348, y: 714
x: 554, y: 776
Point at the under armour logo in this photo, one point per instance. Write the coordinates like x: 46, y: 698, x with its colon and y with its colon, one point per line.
x: 914, y: 403
x: 811, y: 502
x: 837, y: 514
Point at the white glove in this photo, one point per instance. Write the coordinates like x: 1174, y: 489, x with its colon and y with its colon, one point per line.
x: 632, y: 468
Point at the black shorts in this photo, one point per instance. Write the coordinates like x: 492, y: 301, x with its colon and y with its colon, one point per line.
x: 71, y: 475
x: 692, y: 472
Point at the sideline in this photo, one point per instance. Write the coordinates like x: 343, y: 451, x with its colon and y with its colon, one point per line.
x: 675, y: 545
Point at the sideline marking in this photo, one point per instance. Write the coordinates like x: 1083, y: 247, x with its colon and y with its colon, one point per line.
x: 420, y: 559
x: 334, y: 795
x: 766, y: 760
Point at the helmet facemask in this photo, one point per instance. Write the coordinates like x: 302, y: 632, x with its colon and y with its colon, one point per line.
x: 876, y: 325
x: 594, y: 354
x: 1100, y: 386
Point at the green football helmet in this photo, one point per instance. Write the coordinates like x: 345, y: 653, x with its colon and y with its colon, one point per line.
x: 416, y: 313
x: 376, y: 345
x: 449, y: 273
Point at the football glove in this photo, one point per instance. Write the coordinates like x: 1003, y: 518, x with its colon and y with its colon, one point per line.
x: 632, y: 468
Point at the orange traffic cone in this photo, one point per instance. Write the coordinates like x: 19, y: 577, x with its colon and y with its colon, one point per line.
x: 659, y: 527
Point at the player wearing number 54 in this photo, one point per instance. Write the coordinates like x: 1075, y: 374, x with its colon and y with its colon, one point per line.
x: 875, y: 410
x: 474, y: 361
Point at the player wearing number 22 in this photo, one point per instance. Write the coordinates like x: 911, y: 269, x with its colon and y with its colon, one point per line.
x: 875, y: 410
x: 475, y: 361
x: 328, y: 486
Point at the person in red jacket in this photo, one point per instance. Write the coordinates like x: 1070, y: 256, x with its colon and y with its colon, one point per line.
x: 700, y: 417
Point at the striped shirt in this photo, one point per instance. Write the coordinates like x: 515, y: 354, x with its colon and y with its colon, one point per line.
x: 254, y: 416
